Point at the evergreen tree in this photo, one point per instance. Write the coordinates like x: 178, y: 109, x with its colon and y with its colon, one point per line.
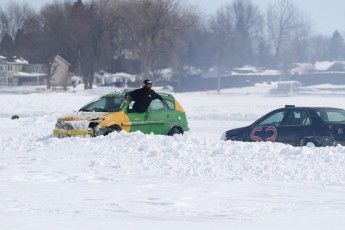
x: 7, y: 46
x: 336, y: 47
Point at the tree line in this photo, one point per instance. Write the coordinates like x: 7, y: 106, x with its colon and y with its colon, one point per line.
x: 147, y: 36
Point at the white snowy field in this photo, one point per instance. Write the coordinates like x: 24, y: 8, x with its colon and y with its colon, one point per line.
x: 137, y: 181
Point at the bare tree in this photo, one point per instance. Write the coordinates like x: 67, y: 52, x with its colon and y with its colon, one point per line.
x: 248, y: 24
x: 30, y: 38
x: 53, y: 66
x: 238, y: 29
x: 70, y: 30
x: 115, y: 45
x: 2, y: 22
x: 222, y: 26
x: 153, y: 28
x: 55, y: 31
x: 287, y: 27
x: 336, y: 47
x: 200, y: 48
x: 85, y: 40
x: 7, y: 46
x: 318, y: 48
x: 12, y: 20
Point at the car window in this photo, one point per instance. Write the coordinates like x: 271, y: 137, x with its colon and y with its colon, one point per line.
x: 171, y: 105
x: 297, y: 117
x: 331, y: 115
x: 156, y: 105
x: 274, y: 119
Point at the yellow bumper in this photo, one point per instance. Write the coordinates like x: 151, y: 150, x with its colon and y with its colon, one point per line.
x: 71, y: 132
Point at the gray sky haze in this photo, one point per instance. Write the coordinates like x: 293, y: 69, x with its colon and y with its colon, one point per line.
x: 326, y: 15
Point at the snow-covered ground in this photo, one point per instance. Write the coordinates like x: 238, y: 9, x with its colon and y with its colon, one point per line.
x: 137, y: 181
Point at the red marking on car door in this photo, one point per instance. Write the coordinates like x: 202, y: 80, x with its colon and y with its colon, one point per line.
x: 273, y: 137
x: 270, y: 128
x: 252, y: 134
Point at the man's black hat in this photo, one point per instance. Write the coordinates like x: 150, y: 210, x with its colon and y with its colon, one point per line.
x: 147, y: 81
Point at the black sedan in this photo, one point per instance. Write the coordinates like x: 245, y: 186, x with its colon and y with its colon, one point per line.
x: 297, y: 126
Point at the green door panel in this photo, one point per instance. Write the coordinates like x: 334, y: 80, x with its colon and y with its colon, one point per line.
x: 152, y: 121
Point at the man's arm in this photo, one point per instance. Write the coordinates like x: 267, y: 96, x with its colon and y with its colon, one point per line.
x: 131, y: 94
x: 128, y: 96
x: 157, y: 96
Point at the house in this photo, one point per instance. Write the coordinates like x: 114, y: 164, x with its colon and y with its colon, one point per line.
x: 59, y: 72
x: 330, y: 67
x: 8, y: 68
x: 17, y: 71
x: 113, y: 79
x: 32, y: 74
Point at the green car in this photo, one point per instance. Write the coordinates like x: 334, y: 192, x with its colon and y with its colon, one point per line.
x: 113, y: 113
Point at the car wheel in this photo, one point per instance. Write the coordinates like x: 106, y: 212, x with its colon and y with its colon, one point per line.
x: 174, y: 131
x: 114, y: 128
x: 311, y: 142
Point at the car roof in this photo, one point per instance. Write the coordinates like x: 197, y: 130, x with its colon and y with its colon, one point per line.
x: 308, y: 107
x: 165, y: 96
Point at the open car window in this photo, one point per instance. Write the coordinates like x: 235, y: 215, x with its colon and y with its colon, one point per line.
x: 297, y: 117
x: 156, y: 105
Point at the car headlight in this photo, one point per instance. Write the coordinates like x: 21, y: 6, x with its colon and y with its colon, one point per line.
x: 63, y: 125
x: 59, y: 125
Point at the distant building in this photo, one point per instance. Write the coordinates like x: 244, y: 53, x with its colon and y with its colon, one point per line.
x: 287, y: 87
x: 17, y: 71
x: 330, y: 67
x: 59, y: 72
x: 113, y: 79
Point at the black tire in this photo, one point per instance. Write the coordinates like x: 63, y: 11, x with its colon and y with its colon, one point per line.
x: 112, y: 129
x: 174, y: 131
x: 311, y: 142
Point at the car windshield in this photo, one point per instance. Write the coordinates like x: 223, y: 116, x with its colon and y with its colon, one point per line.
x: 104, y: 104
x: 331, y: 115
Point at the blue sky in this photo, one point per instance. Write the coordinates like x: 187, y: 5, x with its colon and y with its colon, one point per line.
x: 326, y: 15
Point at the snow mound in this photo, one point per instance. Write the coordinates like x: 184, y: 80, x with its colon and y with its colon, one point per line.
x: 107, y: 158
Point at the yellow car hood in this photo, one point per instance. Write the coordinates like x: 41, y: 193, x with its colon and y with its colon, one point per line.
x: 79, y: 116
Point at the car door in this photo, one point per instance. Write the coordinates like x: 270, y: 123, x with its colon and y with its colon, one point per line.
x: 268, y: 128
x: 138, y: 122
x: 154, y: 120
x: 295, y: 127
x: 158, y: 117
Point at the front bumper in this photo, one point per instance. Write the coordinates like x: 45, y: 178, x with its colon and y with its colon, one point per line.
x: 72, y: 133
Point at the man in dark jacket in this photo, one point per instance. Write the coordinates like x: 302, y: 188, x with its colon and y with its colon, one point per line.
x: 143, y: 97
